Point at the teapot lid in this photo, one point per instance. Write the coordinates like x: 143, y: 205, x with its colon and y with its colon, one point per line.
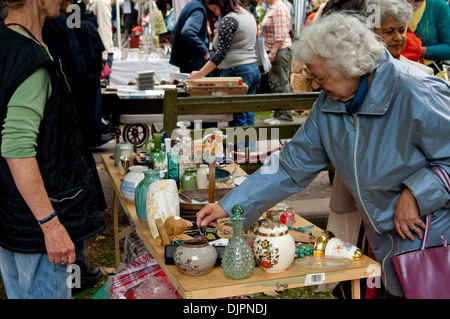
x: 273, y: 230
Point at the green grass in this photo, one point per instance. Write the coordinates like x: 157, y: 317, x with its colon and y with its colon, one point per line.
x: 268, y: 114
x: 309, y: 292
x: 88, y: 292
x: 263, y: 115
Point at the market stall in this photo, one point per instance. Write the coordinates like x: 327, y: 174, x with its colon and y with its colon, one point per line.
x: 215, y: 284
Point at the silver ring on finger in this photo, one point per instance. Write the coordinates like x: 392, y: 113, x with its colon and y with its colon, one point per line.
x: 413, y: 226
x: 62, y: 262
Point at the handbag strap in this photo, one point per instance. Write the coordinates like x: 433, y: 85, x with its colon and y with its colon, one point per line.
x: 427, y: 232
x: 442, y: 174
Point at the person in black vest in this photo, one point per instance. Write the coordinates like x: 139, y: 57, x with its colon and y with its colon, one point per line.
x: 63, y: 45
x: 47, y: 192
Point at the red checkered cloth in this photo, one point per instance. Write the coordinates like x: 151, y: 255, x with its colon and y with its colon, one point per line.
x: 135, y: 273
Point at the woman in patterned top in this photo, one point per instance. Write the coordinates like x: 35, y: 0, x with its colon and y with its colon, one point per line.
x: 235, y: 51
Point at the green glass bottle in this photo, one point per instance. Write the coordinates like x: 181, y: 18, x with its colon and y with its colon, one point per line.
x: 157, y: 153
x: 237, y: 258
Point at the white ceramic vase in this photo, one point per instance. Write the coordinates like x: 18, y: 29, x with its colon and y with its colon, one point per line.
x: 274, y: 248
x: 162, y: 201
x: 130, y: 181
x: 202, y: 176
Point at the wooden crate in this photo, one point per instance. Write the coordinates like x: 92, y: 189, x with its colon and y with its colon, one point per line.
x: 216, y: 81
x: 216, y: 90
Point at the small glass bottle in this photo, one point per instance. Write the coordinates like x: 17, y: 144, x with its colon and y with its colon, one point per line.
x: 173, y: 168
x: 237, y: 258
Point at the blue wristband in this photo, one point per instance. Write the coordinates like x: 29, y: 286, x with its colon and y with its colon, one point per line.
x: 46, y: 219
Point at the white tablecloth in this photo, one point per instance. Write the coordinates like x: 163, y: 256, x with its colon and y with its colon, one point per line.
x: 124, y: 72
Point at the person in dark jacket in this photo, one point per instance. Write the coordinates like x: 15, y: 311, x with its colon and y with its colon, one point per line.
x: 47, y: 193
x: 190, y: 38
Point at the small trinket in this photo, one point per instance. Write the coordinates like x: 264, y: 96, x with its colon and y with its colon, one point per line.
x: 327, y: 245
x: 302, y: 250
x: 302, y: 229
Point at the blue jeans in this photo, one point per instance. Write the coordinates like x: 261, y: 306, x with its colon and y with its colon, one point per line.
x: 250, y: 75
x: 33, y: 276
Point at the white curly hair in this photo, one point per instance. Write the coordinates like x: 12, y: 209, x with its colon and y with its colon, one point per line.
x: 401, y: 10
x: 344, y: 44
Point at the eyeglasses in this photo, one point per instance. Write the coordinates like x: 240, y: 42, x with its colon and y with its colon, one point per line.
x: 312, y: 76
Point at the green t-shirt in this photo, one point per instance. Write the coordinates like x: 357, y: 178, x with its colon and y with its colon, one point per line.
x: 24, y: 115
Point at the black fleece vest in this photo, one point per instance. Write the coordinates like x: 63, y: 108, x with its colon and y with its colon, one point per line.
x: 60, y: 156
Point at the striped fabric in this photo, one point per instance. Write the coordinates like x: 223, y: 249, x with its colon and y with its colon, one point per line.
x: 442, y: 174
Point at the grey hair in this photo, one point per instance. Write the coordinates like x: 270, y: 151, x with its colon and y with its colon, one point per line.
x: 5, y: 4
x: 344, y: 43
x: 401, y: 10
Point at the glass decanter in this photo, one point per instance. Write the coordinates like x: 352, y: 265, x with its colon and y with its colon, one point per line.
x: 237, y: 258
x: 184, y: 145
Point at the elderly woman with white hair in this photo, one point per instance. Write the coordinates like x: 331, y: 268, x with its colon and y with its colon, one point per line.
x: 389, y: 20
x: 376, y: 120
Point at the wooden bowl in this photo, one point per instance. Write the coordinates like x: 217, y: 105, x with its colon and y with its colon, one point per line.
x: 250, y: 168
x: 200, y: 195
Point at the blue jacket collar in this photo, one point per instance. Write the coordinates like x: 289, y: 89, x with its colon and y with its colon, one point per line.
x: 380, y: 92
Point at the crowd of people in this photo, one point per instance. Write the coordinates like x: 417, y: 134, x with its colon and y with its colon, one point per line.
x: 384, y: 93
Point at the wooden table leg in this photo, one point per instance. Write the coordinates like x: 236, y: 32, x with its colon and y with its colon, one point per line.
x: 356, y: 289
x: 116, y: 229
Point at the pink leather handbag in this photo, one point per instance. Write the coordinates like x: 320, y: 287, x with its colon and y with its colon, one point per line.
x: 425, y: 273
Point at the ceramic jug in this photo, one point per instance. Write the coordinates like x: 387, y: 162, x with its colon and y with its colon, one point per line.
x: 118, y: 151
x: 140, y: 195
x: 130, y: 181
x: 274, y: 247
